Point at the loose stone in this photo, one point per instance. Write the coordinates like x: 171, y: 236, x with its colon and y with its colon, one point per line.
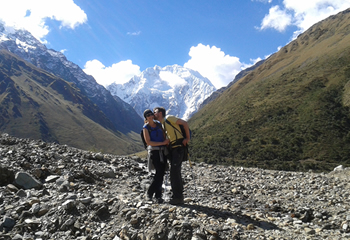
x: 83, y: 195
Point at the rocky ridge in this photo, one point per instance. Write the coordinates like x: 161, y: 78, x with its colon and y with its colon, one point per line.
x: 180, y: 90
x: 51, y: 191
x: 23, y: 44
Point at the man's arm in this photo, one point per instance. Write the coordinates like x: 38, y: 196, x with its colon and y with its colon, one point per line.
x: 187, y: 130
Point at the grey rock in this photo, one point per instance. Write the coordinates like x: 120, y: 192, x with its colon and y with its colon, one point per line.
x: 35, y: 208
x: 339, y: 168
x: 83, y: 200
x: 17, y: 237
x: 60, y: 180
x: 109, y: 174
x: 103, y: 213
x: 8, y: 222
x: 28, y: 236
x: 44, y: 208
x: 26, y: 181
x: 12, y: 188
x: 52, y: 178
x: 71, y: 196
x: 26, y: 214
x: 307, y: 217
x: 21, y: 193
x: 309, y: 231
x: 69, y: 204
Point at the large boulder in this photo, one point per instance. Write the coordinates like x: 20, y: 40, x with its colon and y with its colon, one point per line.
x: 26, y: 181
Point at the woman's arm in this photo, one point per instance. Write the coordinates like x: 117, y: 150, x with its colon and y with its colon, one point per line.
x: 151, y: 143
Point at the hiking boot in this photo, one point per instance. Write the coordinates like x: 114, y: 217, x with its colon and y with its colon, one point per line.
x: 160, y: 200
x: 176, y: 201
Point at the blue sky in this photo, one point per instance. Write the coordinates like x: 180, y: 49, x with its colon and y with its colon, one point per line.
x: 114, y: 40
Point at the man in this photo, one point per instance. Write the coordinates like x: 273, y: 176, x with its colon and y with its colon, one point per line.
x: 178, y: 153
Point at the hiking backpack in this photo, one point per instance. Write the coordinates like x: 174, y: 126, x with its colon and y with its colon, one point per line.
x: 182, y: 128
x: 183, y: 133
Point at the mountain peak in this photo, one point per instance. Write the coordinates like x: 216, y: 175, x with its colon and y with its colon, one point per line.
x: 180, y: 90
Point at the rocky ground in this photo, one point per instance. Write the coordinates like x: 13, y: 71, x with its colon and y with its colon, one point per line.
x: 50, y: 191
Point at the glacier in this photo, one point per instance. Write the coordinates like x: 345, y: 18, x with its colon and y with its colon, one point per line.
x: 178, y: 89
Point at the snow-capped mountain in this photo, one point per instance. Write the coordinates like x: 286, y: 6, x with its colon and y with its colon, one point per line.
x: 179, y: 90
x: 24, y: 45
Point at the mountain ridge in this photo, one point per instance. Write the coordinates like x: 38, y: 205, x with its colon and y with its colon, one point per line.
x: 24, y: 45
x: 178, y: 89
x: 291, y: 112
x: 36, y: 104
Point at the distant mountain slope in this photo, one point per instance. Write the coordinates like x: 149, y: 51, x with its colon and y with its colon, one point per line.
x: 292, y: 112
x: 36, y: 104
x: 218, y: 92
x: 24, y: 45
x: 178, y: 89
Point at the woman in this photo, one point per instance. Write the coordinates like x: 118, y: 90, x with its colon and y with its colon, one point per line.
x: 156, y: 146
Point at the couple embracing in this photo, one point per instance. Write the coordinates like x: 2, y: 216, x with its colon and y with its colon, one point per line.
x: 165, y: 141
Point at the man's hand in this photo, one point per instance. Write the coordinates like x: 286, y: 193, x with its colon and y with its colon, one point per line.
x: 187, y: 130
x: 185, y: 141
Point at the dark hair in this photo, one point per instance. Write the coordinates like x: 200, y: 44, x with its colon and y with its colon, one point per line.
x: 160, y: 109
x: 147, y: 111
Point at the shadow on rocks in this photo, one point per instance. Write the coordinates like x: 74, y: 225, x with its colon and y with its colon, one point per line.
x: 237, y: 216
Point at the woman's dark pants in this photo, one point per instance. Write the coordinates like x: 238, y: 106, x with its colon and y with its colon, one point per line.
x: 157, y: 182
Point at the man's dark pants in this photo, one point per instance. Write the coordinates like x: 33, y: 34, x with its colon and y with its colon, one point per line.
x: 177, y: 157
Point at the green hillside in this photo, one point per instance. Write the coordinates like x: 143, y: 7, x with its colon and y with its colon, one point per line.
x: 290, y: 113
x: 38, y: 105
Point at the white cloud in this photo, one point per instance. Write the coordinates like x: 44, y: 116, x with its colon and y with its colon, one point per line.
x: 134, y: 33
x: 301, y: 13
x: 252, y: 62
x: 264, y: 1
x: 118, y: 73
x: 277, y: 19
x: 214, y: 64
x: 32, y: 14
x: 255, y: 60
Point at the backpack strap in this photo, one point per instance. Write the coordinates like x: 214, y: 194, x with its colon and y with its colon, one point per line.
x: 161, y: 127
x: 168, y: 122
x: 178, y: 141
x: 148, y: 128
x: 158, y: 125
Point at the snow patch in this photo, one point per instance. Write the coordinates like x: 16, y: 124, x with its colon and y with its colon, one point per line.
x: 172, y: 79
x: 3, y: 38
x: 24, y: 45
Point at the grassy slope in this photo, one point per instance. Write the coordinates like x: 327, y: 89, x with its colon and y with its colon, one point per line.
x: 290, y: 113
x: 35, y: 104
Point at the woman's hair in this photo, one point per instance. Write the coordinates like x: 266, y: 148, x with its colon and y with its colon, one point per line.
x: 146, y: 112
